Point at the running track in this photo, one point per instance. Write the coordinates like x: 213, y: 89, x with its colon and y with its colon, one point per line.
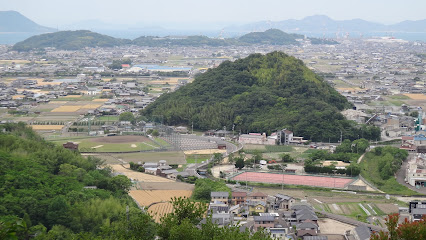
x: 294, y: 179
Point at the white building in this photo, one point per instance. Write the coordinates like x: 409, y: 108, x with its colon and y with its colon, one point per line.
x: 416, y: 171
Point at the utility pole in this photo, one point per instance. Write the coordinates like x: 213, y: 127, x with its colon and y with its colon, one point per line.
x: 341, y: 136
x: 192, y: 127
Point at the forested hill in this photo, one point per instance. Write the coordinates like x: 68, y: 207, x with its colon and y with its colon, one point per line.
x: 74, y: 40
x: 69, y: 40
x: 271, y: 36
x: 42, y: 194
x: 261, y: 93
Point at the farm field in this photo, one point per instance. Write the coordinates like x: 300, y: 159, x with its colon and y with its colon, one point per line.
x: 315, y: 181
x: 355, y: 210
x: 416, y: 96
x: 161, y: 197
x: 147, y: 197
x: 46, y: 127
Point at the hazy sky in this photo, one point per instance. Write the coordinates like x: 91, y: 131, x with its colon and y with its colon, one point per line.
x: 221, y: 12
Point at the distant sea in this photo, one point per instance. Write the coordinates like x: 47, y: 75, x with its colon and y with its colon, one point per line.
x: 12, y: 38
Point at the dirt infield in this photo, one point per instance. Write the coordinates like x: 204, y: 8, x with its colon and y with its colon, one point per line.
x: 120, y: 139
x: 315, y: 181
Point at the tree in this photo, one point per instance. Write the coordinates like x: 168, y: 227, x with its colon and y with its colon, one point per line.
x: 186, y: 213
x: 414, y: 114
x: 286, y: 157
x: 361, y: 145
x: 344, y: 147
x: 239, y: 162
x: 127, y: 116
x: 217, y: 157
x: 155, y: 133
x: 119, y: 183
x: 404, y: 231
x: 58, y: 212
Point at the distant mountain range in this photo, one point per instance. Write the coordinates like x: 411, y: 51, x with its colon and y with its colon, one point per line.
x: 14, y: 22
x: 322, y: 23
x: 15, y: 27
x: 74, y: 40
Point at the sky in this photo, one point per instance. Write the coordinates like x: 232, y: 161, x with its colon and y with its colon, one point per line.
x: 211, y: 13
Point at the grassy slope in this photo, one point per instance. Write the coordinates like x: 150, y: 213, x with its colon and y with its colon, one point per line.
x: 370, y: 171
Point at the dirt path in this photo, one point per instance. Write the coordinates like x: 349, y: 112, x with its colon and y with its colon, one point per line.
x: 360, y: 158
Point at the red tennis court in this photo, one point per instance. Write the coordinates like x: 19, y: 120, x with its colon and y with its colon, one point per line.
x: 294, y: 179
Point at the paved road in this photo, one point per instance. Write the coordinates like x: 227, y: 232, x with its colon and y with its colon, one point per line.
x: 400, y: 176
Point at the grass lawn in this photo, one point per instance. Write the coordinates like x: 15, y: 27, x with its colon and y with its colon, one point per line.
x: 161, y: 142
x: 370, y: 171
x: 84, y: 144
x: 113, y: 147
x: 111, y: 118
x: 197, y: 158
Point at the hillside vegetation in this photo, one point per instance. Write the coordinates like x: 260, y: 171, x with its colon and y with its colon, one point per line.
x: 261, y: 93
x: 69, y: 40
x: 42, y: 196
x: 379, y: 167
x: 271, y: 36
x: 74, y: 40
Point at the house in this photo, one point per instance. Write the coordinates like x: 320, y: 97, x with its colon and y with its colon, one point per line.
x: 220, y: 213
x: 315, y: 238
x: 417, y: 210
x: 219, y: 197
x: 280, y: 202
x: 301, y: 213
x: 415, y: 174
x: 361, y: 233
x: 307, y: 228
x: 257, y: 196
x: 263, y: 222
x: 238, y: 198
x: 71, y: 146
x: 285, y: 136
x: 256, y: 206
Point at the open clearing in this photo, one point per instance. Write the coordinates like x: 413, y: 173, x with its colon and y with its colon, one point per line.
x: 330, y: 226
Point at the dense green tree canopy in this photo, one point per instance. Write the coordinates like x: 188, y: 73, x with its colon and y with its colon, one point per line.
x: 261, y: 93
x: 69, y: 40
